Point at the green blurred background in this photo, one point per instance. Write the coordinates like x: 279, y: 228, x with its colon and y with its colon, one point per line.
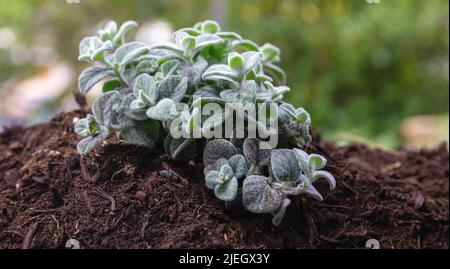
x: 361, y: 68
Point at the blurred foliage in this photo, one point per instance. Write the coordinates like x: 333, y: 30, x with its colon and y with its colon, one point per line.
x: 355, y: 66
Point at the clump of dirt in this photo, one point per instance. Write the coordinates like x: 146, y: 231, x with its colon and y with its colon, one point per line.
x: 130, y: 197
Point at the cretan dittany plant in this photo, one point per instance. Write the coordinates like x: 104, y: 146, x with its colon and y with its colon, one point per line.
x: 144, y: 87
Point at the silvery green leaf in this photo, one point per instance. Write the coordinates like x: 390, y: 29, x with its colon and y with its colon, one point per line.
x: 261, y: 77
x: 188, y: 42
x: 251, y: 58
x: 221, y: 162
x: 99, y: 107
x: 143, y: 133
x: 231, y: 36
x: 298, y: 132
x: 236, y: 97
x: 144, y: 87
x: 212, y: 179
x: 86, y: 126
x: 325, y: 175
x: 227, y: 191
x: 221, y: 78
x: 108, y: 32
x: 302, y: 116
x: 276, y: 73
x: 276, y: 92
x: 119, y: 37
x: 190, y: 31
x: 198, y: 26
x: 259, y: 197
x: 253, y: 153
x: 173, y: 87
x: 164, y: 110
x: 207, y: 40
x: 263, y: 96
x: 178, y: 37
x: 169, y: 68
x: 88, y: 46
x: 284, y: 165
x: 236, y: 61
x: 286, y: 113
x: 229, y: 96
x: 220, y: 70
x: 313, y: 193
x: 207, y: 91
x: 302, y: 158
x: 82, y: 128
x: 217, y: 149
x: 210, y: 27
x: 97, y: 55
x: 270, y: 53
x: 279, y: 215
x: 128, y: 52
x: 137, y: 113
x: 205, y: 100
x: 128, y: 75
x: 86, y: 145
x: 194, y: 73
x: 226, y: 172
x: 146, y: 66
x: 91, y: 76
x: 316, y: 162
x: 170, y: 47
x: 111, y: 112
x: 239, y: 165
x: 246, y: 44
x: 249, y: 88
x: 137, y: 104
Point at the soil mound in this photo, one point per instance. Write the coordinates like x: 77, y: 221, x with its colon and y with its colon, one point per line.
x: 130, y: 197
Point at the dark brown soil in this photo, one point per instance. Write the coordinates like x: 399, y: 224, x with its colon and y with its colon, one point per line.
x: 130, y: 197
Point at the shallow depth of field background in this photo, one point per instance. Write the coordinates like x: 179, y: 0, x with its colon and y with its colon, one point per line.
x: 366, y: 71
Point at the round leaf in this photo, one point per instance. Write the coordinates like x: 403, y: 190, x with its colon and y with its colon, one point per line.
x: 316, y: 162
x: 163, y: 111
x: 212, y: 179
x: 259, y: 197
x: 239, y: 165
x: 217, y: 149
x: 227, y: 191
x: 284, y: 165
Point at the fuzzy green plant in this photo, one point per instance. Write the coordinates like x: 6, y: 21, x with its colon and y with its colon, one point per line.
x: 144, y: 86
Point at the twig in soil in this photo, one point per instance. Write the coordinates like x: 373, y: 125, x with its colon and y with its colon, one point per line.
x: 87, y: 201
x: 26, y: 244
x: 56, y: 221
x: 144, y: 227
x: 14, y: 233
x: 42, y: 211
x: 105, y: 195
x: 331, y: 240
x: 312, y: 230
x: 84, y: 171
x: 98, y: 172
x: 335, y: 206
x: 390, y: 167
x: 180, y: 205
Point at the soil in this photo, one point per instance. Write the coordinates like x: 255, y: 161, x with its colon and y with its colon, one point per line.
x: 129, y: 197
